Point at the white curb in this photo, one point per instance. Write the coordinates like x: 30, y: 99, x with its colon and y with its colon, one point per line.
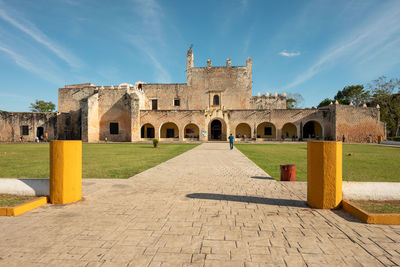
x: 27, y: 187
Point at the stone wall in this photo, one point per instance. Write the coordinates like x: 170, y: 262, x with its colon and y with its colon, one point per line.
x: 71, y: 100
x: 268, y: 102
x: 358, y: 124
x: 12, y: 124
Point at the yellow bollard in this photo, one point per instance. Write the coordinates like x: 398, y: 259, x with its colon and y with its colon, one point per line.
x: 65, y: 171
x: 324, y: 174
x: 380, y: 139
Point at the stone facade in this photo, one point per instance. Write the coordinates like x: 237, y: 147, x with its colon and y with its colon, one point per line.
x: 214, y: 102
x: 28, y: 125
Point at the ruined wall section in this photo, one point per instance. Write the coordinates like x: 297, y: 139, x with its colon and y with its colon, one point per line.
x: 233, y: 86
x: 165, y: 94
x: 268, y: 102
x: 71, y: 100
x: 358, y: 124
x: 11, y: 125
x: 90, y: 118
x: 114, y: 107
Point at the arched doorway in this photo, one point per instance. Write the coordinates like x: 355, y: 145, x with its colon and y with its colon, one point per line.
x: 169, y: 130
x: 147, y: 131
x: 243, y: 130
x: 217, y: 130
x: 266, y: 130
x: 191, y: 131
x: 312, y: 129
x: 289, y: 131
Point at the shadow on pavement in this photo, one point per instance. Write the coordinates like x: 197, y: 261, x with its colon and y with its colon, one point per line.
x: 249, y: 199
x: 262, y: 177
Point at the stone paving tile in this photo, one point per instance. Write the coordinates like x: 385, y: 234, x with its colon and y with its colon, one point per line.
x: 202, y: 208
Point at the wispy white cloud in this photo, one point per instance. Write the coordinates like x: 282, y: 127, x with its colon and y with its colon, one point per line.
x: 373, y: 37
x: 150, y: 39
x: 162, y: 74
x: 24, y: 25
x: 26, y: 64
x: 289, y: 54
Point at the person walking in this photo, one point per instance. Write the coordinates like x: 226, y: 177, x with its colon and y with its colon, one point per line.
x: 231, y: 141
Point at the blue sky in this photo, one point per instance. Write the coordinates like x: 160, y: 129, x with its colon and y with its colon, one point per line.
x: 314, y: 48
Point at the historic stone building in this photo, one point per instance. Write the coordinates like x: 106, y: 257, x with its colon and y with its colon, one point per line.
x: 214, y: 102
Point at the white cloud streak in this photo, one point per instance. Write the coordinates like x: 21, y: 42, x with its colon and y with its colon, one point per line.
x: 151, y: 14
x: 289, y: 54
x: 30, y: 29
x: 29, y: 66
x: 374, y: 35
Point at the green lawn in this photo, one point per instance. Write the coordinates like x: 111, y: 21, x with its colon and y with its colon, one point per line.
x: 99, y: 160
x: 367, y: 163
x: 392, y: 206
x: 14, y: 200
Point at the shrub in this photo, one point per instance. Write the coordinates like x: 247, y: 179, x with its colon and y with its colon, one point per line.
x: 394, y: 138
x: 155, y: 142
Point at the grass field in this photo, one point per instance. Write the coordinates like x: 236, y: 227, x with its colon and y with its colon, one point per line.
x: 99, y: 160
x: 14, y: 200
x: 379, y: 206
x: 367, y: 163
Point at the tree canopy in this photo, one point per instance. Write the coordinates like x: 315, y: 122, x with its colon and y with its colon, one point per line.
x: 325, y: 102
x: 294, y: 100
x: 382, y: 92
x: 386, y: 93
x: 42, y: 106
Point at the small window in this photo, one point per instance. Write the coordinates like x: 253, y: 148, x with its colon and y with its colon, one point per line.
x: 114, y: 129
x: 216, y: 100
x: 177, y: 102
x: 268, y: 130
x: 25, y: 130
x: 154, y: 104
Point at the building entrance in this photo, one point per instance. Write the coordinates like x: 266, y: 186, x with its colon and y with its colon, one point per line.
x: 216, y: 130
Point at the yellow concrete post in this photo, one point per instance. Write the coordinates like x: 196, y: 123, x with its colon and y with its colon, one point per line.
x: 324, y: 174
x: 65, y: 171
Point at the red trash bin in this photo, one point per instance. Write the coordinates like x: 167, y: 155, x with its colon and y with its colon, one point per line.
x: 288, y: 173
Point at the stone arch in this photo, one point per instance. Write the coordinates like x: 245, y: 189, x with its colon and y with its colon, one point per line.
x: 266, y: 130
x: 243, y: 129
x: 313, y: 129
x: 217, y: 130
x: 191, y: 131
x: 289, y: 131
x: 169, y: 130
x: 147, y: 131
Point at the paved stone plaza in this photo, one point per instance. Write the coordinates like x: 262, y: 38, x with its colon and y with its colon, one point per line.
x: 207, y: 207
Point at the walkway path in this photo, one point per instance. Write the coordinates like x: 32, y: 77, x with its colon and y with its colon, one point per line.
x: 207, y: 207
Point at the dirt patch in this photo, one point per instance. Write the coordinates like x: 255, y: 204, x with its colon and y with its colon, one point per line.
x: 390, y: 206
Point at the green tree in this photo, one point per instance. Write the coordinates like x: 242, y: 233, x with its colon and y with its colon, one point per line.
x: 353, y: 93
x: 325, y: 102
x: 42, y: 106
x: 387, y: 95
x: 294, y: 100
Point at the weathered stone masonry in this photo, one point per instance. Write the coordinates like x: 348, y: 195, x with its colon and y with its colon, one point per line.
x: 214, y: 102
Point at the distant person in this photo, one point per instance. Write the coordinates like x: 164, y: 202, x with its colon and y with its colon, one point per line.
x: 21, y: 139
x: 343, y: 138
x: 36, y: 139
x: 231, y: 141
x: 105, y: 140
